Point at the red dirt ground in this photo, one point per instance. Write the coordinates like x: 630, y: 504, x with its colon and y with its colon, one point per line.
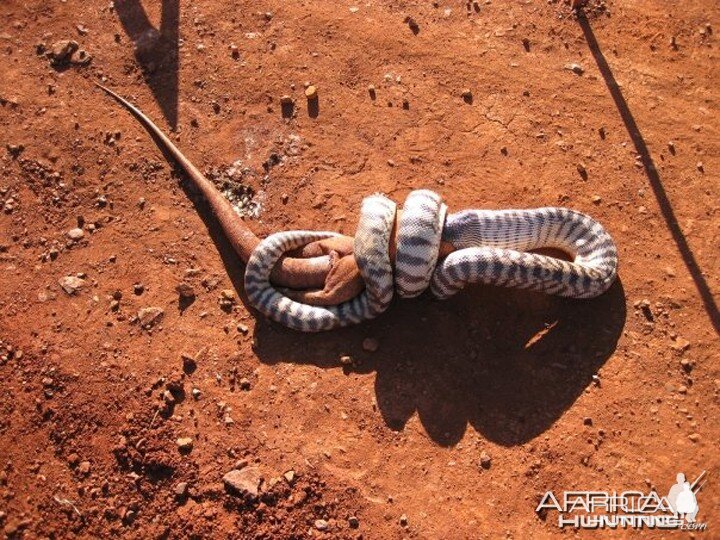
x: 560, y: 394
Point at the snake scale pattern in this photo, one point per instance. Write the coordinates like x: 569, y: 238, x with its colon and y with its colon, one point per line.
x: 491, y: 247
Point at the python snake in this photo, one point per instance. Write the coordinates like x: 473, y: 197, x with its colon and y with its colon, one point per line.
x: 492, y: 247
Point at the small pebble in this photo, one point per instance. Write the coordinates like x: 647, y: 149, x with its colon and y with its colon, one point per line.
x: 168, y: 398
x: 185, y: 445
x: 370, y: 344
x: 243, y: 482
x: 346, y: 360
x: 181, y: 490
x: 321, y: 524
x: 694, y: 437
x: 75, y: 234
x: 311, y: 93
x: 189, y: 363
x: 185, y: 290
x: 403, y: 520
x: 71, y: 284
x: 353, y: 522
x: 150, y: 316
x: 485, y: 460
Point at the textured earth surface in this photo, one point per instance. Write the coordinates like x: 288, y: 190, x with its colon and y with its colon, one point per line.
x: 469, y: 410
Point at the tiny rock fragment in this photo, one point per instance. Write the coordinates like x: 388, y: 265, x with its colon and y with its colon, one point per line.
x: 181, y: 490
x: 700, y: 166
x: 596, y: 199
x: 413, y: 25
x: 150, y: 316
x: 196, y: 393
x: 680, y: 345
x: 71, y: 284
x: 245, y: 383
x: 587, y: 421
x: 686, y: 365
x: 526, y: 44
x: 370, y: 344
x: 60, y: 51
x: 245, y: 482
x: 75, y: 234
x: 80, y: 57
x: 582, y: 170
x: 346, y: 360
x: 185, y: 290
x: 577, y: 69
x: 485, y: 460
x: 694, y: 437
x: 189, y: 363
x: 371, y: 91
x: 84, y: 468
x: 321, y: 525
x: 289, y: 476
x: 311, y: 93
x: 404, y: 520
x: 467, y: 95
x: 168, y: 398
x: 184, y: 444
x: 353, y: 522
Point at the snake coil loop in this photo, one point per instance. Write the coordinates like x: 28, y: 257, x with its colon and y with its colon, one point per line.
x: 492, y: 247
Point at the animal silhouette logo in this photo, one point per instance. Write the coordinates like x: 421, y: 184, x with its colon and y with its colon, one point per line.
x: 682, y: 497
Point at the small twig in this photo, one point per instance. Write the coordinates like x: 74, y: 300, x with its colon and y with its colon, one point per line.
x: 67, y: 503
x: 154, y: 417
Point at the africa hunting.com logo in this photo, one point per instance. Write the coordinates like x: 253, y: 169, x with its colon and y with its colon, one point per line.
x: 629, y: 509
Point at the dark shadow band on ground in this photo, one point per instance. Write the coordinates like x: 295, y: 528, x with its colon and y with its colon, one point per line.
x: 652, y: 174
x: 507, y: 362
x: 156, y: 50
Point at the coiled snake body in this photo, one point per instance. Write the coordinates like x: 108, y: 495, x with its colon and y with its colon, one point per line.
x: 489, y: 247
x: 492, y: 247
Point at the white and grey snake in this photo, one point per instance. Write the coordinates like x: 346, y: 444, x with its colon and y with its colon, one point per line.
x: 492, y: 248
